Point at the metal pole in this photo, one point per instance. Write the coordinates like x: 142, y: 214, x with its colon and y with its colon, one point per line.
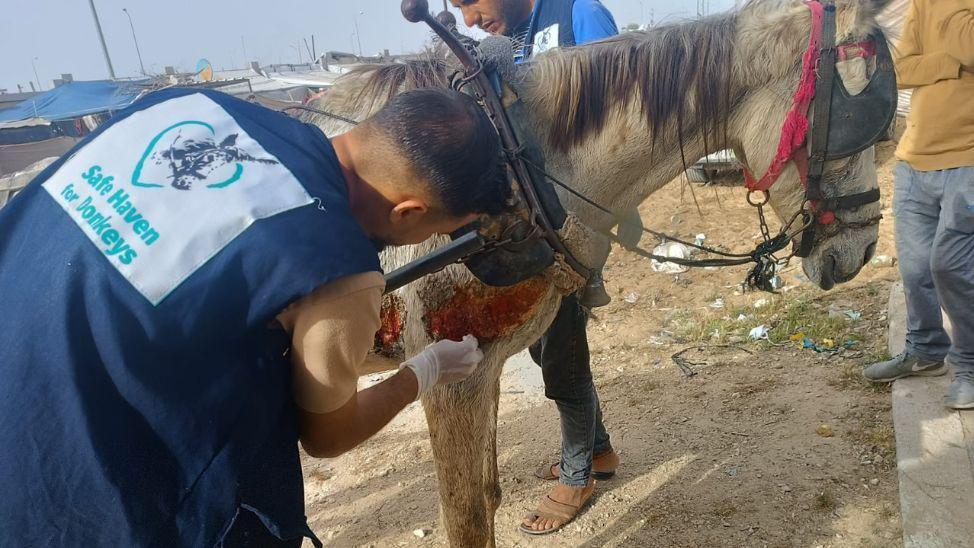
x: 38, y: 80
x: 101, y: 38
x: 136, y: 40
x: 358, y: 36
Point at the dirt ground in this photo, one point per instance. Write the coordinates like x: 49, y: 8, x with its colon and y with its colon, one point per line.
x: 767, y: 444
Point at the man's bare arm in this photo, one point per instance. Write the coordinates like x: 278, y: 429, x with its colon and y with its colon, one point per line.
x: 328, y: 435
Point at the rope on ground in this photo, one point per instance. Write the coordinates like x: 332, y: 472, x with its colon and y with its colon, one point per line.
x: 686, y: 364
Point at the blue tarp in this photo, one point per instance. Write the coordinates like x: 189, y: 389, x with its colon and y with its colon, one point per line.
x: 76, y: 99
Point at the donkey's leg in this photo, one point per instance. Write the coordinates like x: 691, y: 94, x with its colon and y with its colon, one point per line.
x: 463, y: 426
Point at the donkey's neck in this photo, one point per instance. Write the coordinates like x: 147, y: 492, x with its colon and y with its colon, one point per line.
x: 622, y: 117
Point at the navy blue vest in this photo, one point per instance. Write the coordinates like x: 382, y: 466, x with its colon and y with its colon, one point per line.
x: 135, y: 413
x: 541, y: 28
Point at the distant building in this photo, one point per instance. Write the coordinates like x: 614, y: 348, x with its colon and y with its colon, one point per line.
x: 8, y: 100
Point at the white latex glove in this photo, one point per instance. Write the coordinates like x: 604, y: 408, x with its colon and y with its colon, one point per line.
x: 444, y: 362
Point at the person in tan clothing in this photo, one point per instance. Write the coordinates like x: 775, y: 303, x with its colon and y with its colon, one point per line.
x: 934, y: 197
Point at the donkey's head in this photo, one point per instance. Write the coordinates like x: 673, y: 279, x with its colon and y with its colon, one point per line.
x: 625, y: 115
x: 771, y: 37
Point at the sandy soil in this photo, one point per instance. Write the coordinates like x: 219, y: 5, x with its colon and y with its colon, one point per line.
x: 767, y: 445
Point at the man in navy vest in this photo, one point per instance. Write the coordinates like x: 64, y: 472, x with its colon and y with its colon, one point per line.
x: 190, y: 291
x: 537, y: 26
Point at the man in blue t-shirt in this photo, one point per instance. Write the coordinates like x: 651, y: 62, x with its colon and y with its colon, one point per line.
x: 537, y: 26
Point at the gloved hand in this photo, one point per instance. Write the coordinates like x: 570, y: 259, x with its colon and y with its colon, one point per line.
x: 444, y: 362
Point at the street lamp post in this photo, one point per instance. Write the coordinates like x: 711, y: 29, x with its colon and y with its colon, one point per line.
x: 136, y: 40
x: 36, y: 79
x: 358, y: 36
x: 101, y: 38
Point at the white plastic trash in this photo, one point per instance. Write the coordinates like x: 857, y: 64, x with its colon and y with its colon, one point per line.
x: 671, y: 249
x: 758, y: 333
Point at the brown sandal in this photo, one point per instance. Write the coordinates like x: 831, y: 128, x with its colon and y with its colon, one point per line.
x: 547, y: 473
x: 552, y: 509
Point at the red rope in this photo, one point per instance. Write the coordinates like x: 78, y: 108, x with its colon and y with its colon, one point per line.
x: 795, y: 127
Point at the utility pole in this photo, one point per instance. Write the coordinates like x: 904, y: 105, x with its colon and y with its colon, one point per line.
x: 38, y: 80
x: 136, y: 40
x: 101, y: 37
x: 703, y: 8
x: 358, y: 36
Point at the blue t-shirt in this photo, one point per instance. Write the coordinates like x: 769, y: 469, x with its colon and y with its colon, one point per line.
x: 561, y: 23
x: 592, y: 21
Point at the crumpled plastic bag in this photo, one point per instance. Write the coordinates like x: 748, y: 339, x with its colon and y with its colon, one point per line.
x: 671, y: 249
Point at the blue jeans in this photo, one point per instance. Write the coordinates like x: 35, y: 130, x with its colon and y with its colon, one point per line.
x: 935, y: 241
x: 563, y: 355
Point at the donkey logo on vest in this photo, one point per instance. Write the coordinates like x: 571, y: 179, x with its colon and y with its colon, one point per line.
x: 193, y: 157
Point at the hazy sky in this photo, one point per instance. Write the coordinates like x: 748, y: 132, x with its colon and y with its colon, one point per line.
x: 60, y: 34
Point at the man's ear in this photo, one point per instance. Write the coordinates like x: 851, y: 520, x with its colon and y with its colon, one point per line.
x: 409, y: 210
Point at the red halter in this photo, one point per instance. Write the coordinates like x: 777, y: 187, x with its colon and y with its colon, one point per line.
x: 794, y: 130
x: 795, y: 127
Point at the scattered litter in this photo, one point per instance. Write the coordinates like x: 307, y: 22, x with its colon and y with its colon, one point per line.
x: 718, y: 303
x: 732, y: 471
x: 810, y: 344
x: 760, y: 303
x: 758, y: 333
x: 700, y: 239
x: 742, y: 317
x: 837, y: 311
x: 883, y: 260
x: 826, y: 345
x: 421, y: 533
x: 777, y: 282
x: 631, y: 298
x: 825, y: 431
x: 657, y: 341
x: 671, y: 249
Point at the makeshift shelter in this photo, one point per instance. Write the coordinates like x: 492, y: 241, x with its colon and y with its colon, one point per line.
x: 49, y: 123
x: 73, y: 100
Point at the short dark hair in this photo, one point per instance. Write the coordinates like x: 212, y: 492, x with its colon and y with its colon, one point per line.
x: 449, y: 140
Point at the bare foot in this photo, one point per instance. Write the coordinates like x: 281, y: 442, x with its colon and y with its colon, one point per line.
x: 559, y: 507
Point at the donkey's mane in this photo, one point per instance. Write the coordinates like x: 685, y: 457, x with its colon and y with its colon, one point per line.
x: 680, y: 74
x: 382, y: 82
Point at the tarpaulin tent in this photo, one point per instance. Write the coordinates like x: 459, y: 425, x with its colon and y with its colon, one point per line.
x: 73, y: 100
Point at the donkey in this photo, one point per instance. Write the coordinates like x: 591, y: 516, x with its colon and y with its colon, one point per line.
x: 617, y: 120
